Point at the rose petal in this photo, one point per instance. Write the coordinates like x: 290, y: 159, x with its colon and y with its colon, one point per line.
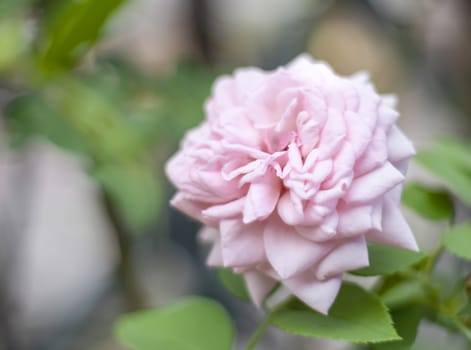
x: 225, y: 211
x: 288, y: 252
x: 348, y: 255
x: 191, y: 208
x: 258, y: 286
x: 262, y: 198
x: 317, y: 294
x: 399, y: 146
x: 241, y: 244
x: 374, y: 184
x: 396, y: 231
x: 288, y: 211
x: 355, y: 220
x: 215, y: 255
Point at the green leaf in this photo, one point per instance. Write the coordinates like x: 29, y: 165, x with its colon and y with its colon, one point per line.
x: 406, y: 320
x: 76, y: 25
x: 31, y: 116
x: 356, y: 316
x: 234, y: 283
x: 133, y: 186
x: 457, y: 240
x: 451, y: 162
x: 13, y: 42
x: 428, y: 203
x: 193, y: 323
x: 404, y: 293
x: 386, y: 260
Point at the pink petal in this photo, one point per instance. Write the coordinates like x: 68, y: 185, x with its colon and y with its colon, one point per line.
x: 359, y: 134
x: 348, y: 255
x: 241, y: 244
x: 288, y: 212
x: 214, y: 258
x: 288, y: 252
x: 258, y: 286
x: 319, y: 295
x: 262, y: 198
x: 375, y: 155
x: 373, y: 184
x: 359, y: 219
x: 191, y: 208
x: 322, y: 232
x: 396, y: 231
x: 399, y: 146
x: 333, y: 134
x: 208, y: 234
x: 225, y: 211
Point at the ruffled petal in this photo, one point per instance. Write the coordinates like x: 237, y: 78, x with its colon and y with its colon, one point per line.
x: 317, y: 294
x: 262, y: 198
x: 258, y: 286
x: 288, y: 252
x: 374, y: 184
x: 225, y: 211
x: 348, y: 255
x: 399, y: 146
x: 396, y: 231
x: 241, y: 244
x: 355, y: 220
x: 191, y: 208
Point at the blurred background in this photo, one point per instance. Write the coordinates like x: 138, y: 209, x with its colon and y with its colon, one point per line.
x: 94, y: 98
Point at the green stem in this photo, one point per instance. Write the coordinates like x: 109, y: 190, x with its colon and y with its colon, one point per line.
x: 436, y: 253
x: 126, y: 271
x: 262, y: 327
x: 259, y: 331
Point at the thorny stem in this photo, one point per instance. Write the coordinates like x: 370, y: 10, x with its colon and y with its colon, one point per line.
x: 125, y: 272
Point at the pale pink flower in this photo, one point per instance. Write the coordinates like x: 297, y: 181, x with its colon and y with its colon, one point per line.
x: 292, y: 172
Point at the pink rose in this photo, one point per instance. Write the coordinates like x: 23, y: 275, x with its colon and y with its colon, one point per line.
x: 292, y: 172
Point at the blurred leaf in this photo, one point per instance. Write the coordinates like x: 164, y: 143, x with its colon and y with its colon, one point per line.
x: 404, y: 293
x: 451, y: 162
x: 30, y: 116
x: 76, y: 25
x: 234, y: 283
x: 12, y: 7
x: 386, y: 260
x: 12, y: 41
x: 98, y: 121
x: 406, y: 321
x: 356, y: 316
x: 457, y: 240
x: 464, y: 330
x: 428, y: 203
x: 135, y: 190
x: 192, y: 323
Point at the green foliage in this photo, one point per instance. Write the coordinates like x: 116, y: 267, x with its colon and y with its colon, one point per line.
x: 451, y: 162
x: 406, y: 321
x: 457, y: 240
x: 192, y: 323
x: 386, y: 260
x: 233, y: 283
x: 30, y: 116
x: 74, y: 27
x: 10, y: 8
x: 133, y: 187
x: 356, y: 316
x: 404, y: 293
x: 429, y: 203
x: 12, y: 41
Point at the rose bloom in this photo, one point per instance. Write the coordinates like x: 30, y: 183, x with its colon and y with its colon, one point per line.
x: 292, y: 172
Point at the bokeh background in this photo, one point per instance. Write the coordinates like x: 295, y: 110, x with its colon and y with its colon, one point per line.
x: 95, y: 96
